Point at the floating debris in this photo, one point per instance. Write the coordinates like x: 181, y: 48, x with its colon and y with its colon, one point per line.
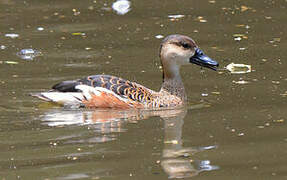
x: 217, y: 48
x: 40, y: 28
x: 28, y: 54
x: 171, y: 142
x: 78, y: 34
x: 8, y: 62
x: 215, y: 93
x: 241, y: 82
x: 2, y: 47
x: 121, y: 6
x: 12, y: 35
x: 176, y: 16
x: 277, y: 39
x: 201, y: 19
x: 239, y: 25
x: 76, y: 12
x: 208, y: 147
x: 284, y: 94
x: 239, y: 37
x: 11, y: 62
x: 204, y: 94
x: 159, y: 36
x: 279, y: 121
x: 244, y: 8
x: 240, y: 134
x: 238, y: 68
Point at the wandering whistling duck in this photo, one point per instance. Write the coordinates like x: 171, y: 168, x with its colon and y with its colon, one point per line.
x: 105, y: 91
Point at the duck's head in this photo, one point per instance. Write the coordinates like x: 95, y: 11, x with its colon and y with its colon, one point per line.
x: 177, y: 50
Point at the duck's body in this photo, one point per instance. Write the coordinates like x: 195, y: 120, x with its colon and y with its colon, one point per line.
x: 105, y: 91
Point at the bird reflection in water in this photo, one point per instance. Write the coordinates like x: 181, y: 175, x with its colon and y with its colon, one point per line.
x: 176, y: 160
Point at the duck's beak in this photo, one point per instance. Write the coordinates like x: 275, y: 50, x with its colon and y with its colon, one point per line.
x: 203, y: 60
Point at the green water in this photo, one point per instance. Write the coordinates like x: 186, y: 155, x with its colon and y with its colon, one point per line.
x: 229, y: 130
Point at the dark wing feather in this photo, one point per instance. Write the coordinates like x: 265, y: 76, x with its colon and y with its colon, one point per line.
x: 66, y: 86
x: 121, y: 87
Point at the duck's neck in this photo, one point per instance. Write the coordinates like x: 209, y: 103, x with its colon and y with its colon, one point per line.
x: 172, y: 82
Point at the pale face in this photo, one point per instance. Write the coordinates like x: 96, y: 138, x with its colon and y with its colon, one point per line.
x: 176, y: 50
x: 176, y: 54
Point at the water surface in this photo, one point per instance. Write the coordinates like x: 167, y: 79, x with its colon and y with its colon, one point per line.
x: 230, y: 130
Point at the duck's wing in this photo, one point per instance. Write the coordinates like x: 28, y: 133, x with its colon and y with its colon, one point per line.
x: 103, y: 91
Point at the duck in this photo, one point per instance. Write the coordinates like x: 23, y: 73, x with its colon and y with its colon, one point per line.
x: 107, y: 91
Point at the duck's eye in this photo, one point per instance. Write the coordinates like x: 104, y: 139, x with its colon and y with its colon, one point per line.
x: 185, y: 45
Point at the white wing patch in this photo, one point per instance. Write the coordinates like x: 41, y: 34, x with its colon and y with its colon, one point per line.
x: 61, y: 97
x: 76, y: 98
x: 88, y: 91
